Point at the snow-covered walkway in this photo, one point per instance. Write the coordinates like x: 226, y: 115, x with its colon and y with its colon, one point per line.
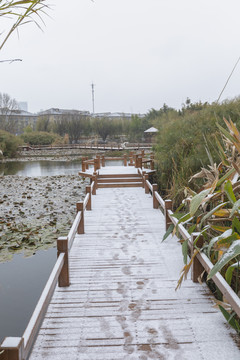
x: 122, y: 303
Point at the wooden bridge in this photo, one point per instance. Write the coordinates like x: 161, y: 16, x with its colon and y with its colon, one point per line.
x: 116, y: 297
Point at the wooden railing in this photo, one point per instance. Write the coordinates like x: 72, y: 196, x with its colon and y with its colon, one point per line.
x: 201, y: 262
x: 18, y: 348
x: 108, y: 146
x: 133, y: 159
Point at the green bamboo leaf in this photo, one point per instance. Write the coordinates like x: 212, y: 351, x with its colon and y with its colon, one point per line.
x: 197, y: 201
x: 225, y: 235
x: 235, y: 207
x: 229, y: 191
x: 229, y: 318
x: 168, y: 232
x: 230, y: 254
x: 226, y: 176
x: 236, y: 225
x: 185, y: 251
x: 210, y: 213
x: 229, y: 272
x: 222, y: 153
x: 184, y: 218
x: 199, y: 234
x: 229, y: 239
x: 226, y: 134
x: 192, y: 229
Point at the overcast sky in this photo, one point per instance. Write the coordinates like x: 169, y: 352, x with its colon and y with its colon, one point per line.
x: 138, y: 53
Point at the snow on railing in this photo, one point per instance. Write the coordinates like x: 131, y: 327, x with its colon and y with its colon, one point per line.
x: 18, y: 348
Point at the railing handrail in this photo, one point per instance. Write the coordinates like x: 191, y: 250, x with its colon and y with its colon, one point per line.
x: 149, y: 185
x: 36, y: 318
x: 85, y: 201
x: 74, y: 228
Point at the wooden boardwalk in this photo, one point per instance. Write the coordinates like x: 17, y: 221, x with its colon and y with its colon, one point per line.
x: 122, y: 303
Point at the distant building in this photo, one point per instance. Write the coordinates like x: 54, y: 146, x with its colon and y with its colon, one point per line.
x: 56, y: 113
x: 17, y: 120
x: 149, y: 133
x: 23, y: 105
x: 116, y: 115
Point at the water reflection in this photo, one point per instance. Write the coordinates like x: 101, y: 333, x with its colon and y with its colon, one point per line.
x: 21, y: 283
x: 45, y: 167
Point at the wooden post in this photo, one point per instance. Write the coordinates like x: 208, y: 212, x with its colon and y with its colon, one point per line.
x: 13, y: 348
x: 80, y: 207
x: 168, y: 206
x: 135, y: 160
x: 83, y: 165
x: 62, y: 247
x: 146, y: 187
x: 143, y: 179
x: 155, y: 202
x: 103, y: 160
x: 86, y: 162
x: 140, y: 162
x: 125, y: 159
x: 131, y: 158
x: 197, y: 268
x: 89, y: 204
x: 143, y: 152
x: 95, y: 165
x: 95, y: 183
x: 99, y: 161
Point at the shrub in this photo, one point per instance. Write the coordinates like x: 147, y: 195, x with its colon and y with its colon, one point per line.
x: 41, y: 138
x: 9, y: 143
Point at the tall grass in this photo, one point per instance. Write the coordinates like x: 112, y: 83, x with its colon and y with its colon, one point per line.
x: 185, y: 141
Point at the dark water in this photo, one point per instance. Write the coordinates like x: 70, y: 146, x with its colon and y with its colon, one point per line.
x: 21, y: 283
x: 45, y: 167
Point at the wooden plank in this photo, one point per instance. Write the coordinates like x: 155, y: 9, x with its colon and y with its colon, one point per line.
x: 122, y: 302
x: 123, y: 184
x: 121, y: 179
x: 118, y: 176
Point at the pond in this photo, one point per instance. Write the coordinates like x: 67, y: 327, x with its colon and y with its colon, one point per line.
x: 23, y: 279
x: 44, y: 167
x: 21, y: 283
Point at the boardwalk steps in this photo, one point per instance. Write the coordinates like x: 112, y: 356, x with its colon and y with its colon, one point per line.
x: 119, y: 180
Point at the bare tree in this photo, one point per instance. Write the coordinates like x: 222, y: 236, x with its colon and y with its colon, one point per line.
x: 8, y: 108
x: 75, y: 125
